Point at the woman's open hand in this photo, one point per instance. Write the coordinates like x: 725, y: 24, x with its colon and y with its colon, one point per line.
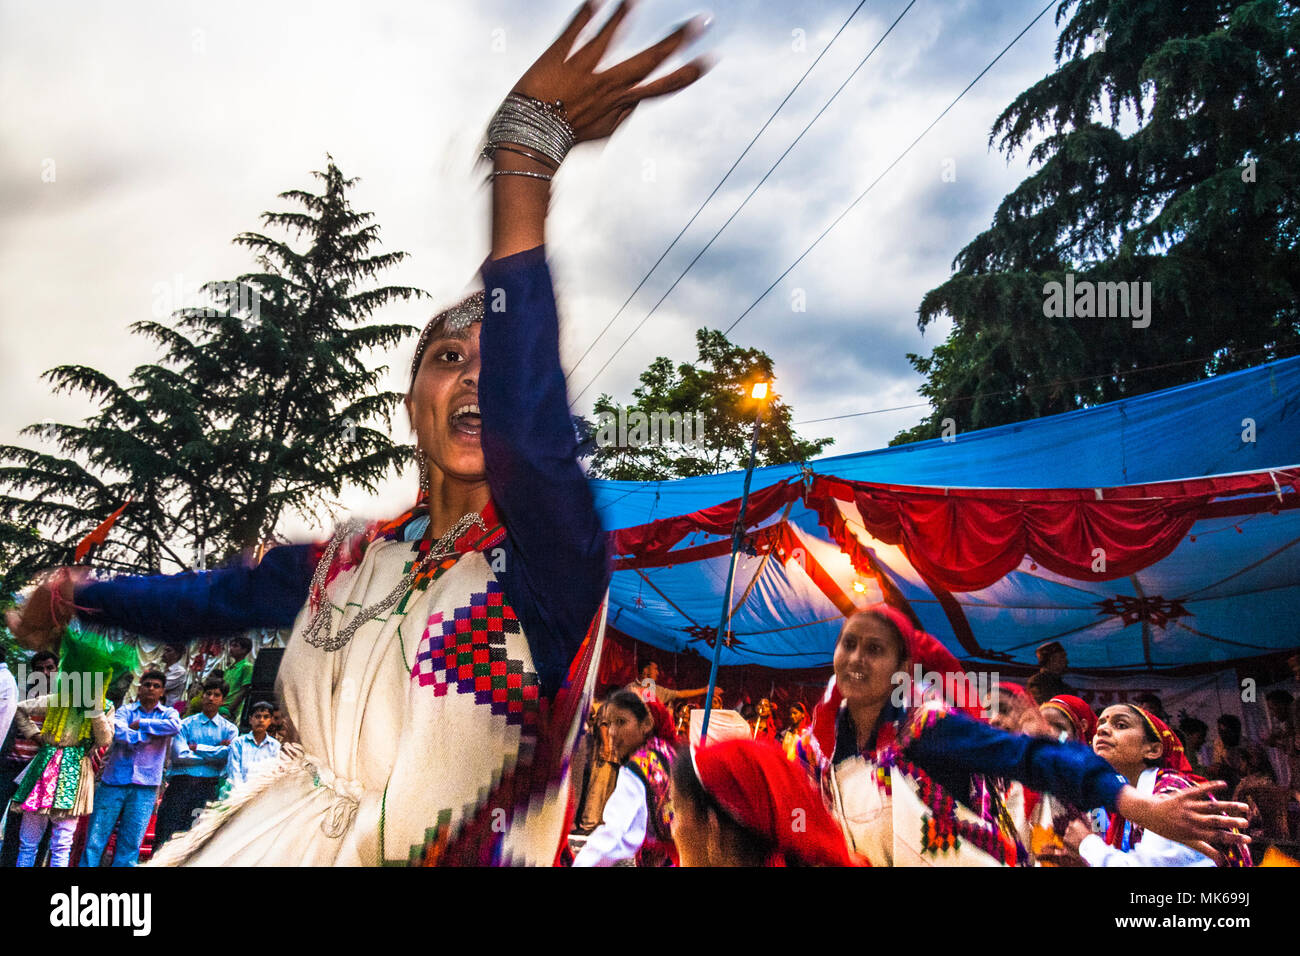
x: 1191, y: 817
x: 35, y: 626
x: 596, y: 103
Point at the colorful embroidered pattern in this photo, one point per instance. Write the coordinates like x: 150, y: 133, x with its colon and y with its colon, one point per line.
x: 653, y: 766
x: 942, y: 829
x: 470, y: 651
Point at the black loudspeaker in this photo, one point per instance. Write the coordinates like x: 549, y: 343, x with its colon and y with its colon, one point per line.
x: 265, y: 666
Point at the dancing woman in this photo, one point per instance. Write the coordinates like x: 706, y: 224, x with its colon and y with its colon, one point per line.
x: 911, y: 785
x: 1149, y: 756
x: 637, y: 827
x: 433, y: 675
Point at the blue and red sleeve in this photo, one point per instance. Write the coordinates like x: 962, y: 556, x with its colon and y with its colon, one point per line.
x: 952, y: 749
x: 224, y: 601
x: 556, y: 568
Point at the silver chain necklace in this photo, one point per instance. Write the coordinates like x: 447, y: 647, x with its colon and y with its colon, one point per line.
x: 318, y: 631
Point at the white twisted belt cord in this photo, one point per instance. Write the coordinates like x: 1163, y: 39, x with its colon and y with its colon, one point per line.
x: 343, y: 808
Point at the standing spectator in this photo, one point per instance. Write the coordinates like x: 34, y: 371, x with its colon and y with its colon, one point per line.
x: 176, y: 674
x: 58, y: 787
x: 238, y: 677
x: 1194, y: 733
x: 1152, y: 704
x: 648, y: 687
x: 602, y: 775
x: 199, y: 756
x: 256, y: 751
x: 1047, y: 682
x: 8, y: 696
x: 1285, y: 737
x: 17, y: 752
x: 765, y: 721
x: 1230, y: 761
x: 142, y: 732
x: 798, y: 723
x: 279, y: 726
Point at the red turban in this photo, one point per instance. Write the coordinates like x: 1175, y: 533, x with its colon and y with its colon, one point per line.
x: 764, y: 792
x: 664, y: 727
x: 1080, y: 714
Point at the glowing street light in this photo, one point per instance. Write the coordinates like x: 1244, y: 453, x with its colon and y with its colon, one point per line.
x: 757, y: 391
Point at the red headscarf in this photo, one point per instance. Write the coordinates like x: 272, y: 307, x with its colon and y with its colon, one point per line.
x: 1081, y: 716
x: 921, y: 649
x: 763, y: 791
x: 1174, y: 757
x: 665, y: 729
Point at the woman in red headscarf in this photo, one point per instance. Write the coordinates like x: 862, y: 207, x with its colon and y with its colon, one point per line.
x: 742, y: 803
x: 1149, y: 756
x: 638, y: 816
x: 1068, y: 719
x: 908, y: 778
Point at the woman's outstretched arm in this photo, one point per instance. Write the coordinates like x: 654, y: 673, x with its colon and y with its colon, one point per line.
x: 224, y: 601
x: 556, y: 566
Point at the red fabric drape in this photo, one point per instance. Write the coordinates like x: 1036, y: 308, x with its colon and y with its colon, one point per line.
x: 661, y: 535
x: 968, y: 539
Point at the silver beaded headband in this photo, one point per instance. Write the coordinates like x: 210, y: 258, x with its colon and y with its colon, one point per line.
x: 525, y: 121
x: 456, y: 319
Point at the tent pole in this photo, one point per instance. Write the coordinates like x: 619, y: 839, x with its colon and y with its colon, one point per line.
x: 724, y: 624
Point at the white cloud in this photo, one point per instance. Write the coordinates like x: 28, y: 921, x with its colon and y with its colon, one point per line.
x: 173, y: 125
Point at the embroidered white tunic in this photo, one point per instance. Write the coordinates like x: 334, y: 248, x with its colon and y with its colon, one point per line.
x: 393, y: 741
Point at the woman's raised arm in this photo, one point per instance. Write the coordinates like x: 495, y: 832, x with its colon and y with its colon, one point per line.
x: 556, y: 569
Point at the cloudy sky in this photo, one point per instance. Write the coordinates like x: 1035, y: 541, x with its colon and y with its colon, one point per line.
x: 139, y: 138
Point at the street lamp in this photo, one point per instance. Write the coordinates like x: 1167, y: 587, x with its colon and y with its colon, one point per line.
x: 758, y: 392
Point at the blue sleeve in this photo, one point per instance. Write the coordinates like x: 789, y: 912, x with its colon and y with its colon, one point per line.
x: 556, y: 569
x: 225, y: 601
x: 957, y: 746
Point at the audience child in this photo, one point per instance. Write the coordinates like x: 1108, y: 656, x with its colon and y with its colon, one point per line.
x: 57, y: 789
x: 199, y: 756
x: 255, y: 752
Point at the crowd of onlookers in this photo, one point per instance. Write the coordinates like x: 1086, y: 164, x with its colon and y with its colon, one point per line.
x: 1270, y: 786
x: 115, y: 786
x: 140, y: 773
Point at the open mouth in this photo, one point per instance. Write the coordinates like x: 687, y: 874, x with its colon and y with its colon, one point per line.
x: 467, y: 421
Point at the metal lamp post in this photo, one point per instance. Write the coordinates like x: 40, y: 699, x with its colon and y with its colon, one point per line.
x: 759, y: 393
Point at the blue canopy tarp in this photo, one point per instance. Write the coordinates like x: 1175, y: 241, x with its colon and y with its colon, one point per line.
x: 1228, y: 588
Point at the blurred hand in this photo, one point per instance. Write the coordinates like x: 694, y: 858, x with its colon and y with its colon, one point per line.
x: 1191, y: 817
x: 36, y: 625
x: 597, y: 102
x: 1060, y: 856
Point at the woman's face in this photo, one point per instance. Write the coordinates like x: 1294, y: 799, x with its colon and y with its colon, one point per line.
x: 1121, y: 740
x: 443, y: 405
x: 1003, y: 711
x: 1059, y: 723
x: 866, y: 659
x: 626, y: 733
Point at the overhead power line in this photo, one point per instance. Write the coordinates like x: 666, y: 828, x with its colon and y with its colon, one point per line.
x: 836, y: 221
x: 690, y: 265
x: 709, y: 197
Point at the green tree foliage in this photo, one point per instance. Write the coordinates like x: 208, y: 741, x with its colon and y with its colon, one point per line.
x: 1167, y: 153
x: 260, y: 404
x: 698, y: 418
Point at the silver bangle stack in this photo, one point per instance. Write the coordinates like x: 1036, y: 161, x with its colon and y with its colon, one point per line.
x: 523, y: 121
